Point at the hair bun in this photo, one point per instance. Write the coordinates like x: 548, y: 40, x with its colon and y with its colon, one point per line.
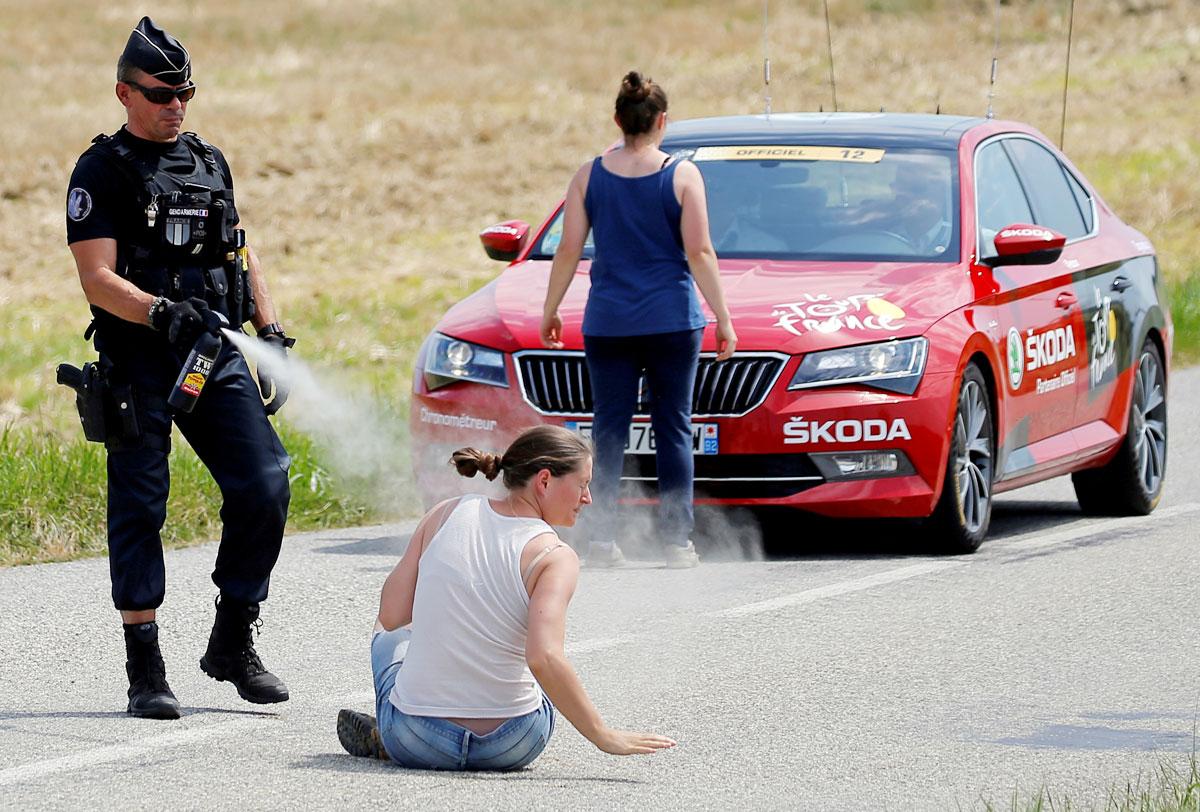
x: 634, y: 87
x: 470, y: 461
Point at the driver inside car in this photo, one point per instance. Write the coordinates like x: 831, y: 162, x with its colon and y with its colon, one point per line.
x: 922, y: 217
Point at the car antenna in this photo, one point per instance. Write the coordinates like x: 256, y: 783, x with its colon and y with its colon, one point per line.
x: 995, y: 61
x: 766, y: 62
x: 1062, y: 129
x: 829, y: 42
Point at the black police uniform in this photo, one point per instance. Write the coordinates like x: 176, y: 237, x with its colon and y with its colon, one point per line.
x: 170, y: 209
x: 169, y: 206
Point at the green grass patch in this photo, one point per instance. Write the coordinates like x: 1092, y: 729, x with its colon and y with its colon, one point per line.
x: 1169, y: 788
x: 320, y: 498
x: 53, y: 496
x: 53, y: 483
x: 1185, y: 313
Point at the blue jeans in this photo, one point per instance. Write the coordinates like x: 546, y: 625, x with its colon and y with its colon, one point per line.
x: 615, y: 364
x: 431, y: 743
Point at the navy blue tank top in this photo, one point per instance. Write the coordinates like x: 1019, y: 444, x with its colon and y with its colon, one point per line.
x: 641, y: 283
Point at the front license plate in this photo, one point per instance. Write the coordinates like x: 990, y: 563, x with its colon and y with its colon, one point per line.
x: 641, y: 437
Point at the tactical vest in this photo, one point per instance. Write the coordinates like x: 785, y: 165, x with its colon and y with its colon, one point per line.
x: 185, y: 242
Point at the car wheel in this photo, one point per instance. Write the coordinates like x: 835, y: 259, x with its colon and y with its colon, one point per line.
x: 965, y: 508
x: 1131, y: 483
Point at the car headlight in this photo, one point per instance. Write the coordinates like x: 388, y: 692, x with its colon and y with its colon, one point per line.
x: 896, y: 366
x: 449, y: 360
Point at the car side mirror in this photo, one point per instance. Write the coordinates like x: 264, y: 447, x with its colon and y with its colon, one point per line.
x: 1025, y: 244
x: 504, y: 241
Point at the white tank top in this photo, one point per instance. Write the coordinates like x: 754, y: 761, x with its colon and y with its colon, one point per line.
x: 470, y: 619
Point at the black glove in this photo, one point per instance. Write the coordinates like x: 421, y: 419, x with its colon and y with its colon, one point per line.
x: 184, y: 321
x: 274, y: 389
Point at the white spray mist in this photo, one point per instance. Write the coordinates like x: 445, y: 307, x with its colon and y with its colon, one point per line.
x: 358, y: 441
x: 720, y: 534
x: 362, y: 445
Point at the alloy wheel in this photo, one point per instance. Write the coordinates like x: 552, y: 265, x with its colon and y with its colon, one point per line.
x: 973, y: 455
x: 1149, y: 423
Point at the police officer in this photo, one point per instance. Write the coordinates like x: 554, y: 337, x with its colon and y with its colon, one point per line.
x: 152, y: 225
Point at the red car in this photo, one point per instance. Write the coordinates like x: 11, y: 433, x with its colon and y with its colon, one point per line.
x: 930, y: 309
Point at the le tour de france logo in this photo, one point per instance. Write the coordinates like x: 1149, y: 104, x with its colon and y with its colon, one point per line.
x: 823, y: 313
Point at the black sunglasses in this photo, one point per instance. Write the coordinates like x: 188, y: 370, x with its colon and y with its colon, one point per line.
x: 163, y: 95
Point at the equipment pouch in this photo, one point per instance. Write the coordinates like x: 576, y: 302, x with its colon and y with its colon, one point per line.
x: 90, y: 393
x: 219, y: 284
x: 217, y: 281
x: 124, y: 404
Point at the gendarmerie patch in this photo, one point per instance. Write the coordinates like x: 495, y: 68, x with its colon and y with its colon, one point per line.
x: 185, y: 225
x: 79, y: 204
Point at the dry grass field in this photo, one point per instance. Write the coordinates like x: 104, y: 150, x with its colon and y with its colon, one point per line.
x: 372, y: 139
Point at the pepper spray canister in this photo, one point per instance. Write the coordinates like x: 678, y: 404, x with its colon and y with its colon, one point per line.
x: 197, y: 369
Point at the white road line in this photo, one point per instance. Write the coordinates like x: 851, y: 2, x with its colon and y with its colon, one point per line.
x: 1026, y: 541
x: 841, y: 588
x: 119, y: 752
x: 1033, y: 540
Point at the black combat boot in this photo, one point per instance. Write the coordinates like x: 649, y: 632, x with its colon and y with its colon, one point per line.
x: 231, y: 656
x: 149, y: 695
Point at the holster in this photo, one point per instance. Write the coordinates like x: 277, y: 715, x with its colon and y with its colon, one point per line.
x: 108, y: 410
x: 238, y: 294
x: 90, y: 397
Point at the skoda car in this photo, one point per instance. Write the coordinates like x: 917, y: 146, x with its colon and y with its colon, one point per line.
x: 930, y: 309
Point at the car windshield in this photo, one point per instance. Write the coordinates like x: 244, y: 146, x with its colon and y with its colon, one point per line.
x: 839, y: 203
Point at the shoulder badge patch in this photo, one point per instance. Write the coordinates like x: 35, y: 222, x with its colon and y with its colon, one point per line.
x: 79, y: 204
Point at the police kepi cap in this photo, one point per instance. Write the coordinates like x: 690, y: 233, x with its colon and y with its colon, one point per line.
x: 159, y: 54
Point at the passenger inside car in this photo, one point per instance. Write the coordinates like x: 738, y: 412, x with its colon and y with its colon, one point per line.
x: 734, y: 217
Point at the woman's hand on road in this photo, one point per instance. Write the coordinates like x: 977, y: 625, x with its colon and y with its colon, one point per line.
x: 726, y: 339
x: 631, y: 743
x: 552, y: 331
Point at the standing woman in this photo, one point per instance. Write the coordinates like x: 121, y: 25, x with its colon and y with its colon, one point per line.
x: 649, y: 221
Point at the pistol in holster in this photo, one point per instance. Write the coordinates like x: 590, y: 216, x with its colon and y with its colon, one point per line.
x: 106, y: 409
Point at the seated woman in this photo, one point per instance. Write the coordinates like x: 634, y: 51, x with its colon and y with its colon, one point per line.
x: 485, y: 583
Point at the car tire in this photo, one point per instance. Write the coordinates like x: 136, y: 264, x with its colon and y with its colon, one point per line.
x: 964, y: 510
x: 1131, y: 483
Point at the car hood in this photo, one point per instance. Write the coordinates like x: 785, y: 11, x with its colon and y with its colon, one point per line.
x: 793, y: 307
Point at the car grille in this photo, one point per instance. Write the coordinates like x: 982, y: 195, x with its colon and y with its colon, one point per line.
x: 558, y: 383
x: 728, y: 476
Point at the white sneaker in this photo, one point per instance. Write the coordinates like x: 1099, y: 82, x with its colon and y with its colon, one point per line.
x: 682, y: 558
x: 603, y: 555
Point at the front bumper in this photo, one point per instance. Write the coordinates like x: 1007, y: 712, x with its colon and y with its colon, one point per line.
x: 766, y: 456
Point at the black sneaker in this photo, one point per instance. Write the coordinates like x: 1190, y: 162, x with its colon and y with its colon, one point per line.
x: 359, y: 735
x: 231, y: 657
x: 150, y: 696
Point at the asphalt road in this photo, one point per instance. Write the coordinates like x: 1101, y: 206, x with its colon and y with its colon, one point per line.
x: 853, y: 675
